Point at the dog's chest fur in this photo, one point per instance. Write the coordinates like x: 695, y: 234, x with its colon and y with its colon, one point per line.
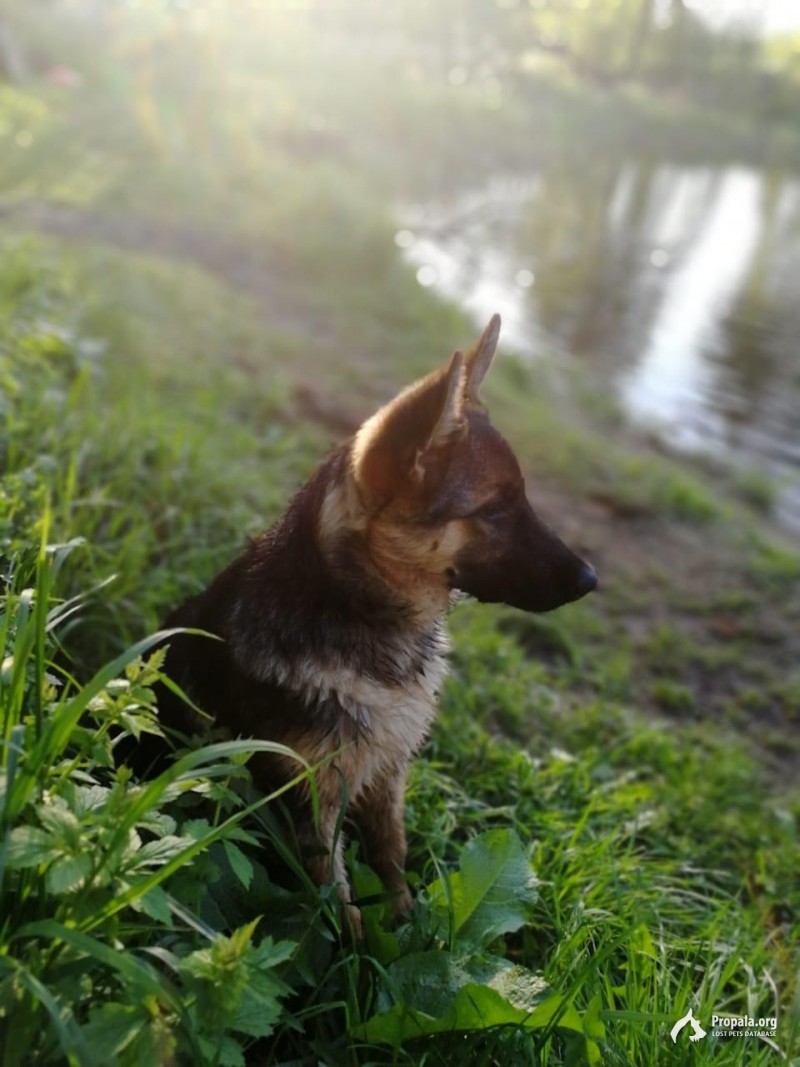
x: 374, y: 725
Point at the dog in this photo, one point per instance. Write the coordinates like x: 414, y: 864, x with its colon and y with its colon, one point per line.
x: 332, y: 622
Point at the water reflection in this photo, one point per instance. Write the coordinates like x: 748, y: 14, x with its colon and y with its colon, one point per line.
x: 678, y: 284
x: 673, y: 381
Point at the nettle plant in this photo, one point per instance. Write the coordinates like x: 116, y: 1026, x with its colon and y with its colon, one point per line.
x: 99, y: 962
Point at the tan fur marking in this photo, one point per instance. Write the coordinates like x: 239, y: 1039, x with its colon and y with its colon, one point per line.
x: 416, y: 568
x: 390, y: 722
x: 341, y: 511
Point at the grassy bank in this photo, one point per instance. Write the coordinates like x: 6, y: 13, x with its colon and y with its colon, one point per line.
x: 665, y: 869
x: 601, y: 830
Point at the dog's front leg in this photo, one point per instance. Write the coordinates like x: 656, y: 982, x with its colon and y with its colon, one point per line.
x: 323, y: 853
x: 379, y: 814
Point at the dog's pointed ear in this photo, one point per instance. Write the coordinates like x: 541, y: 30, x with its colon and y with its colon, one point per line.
x: 451, y: 422
x: 479, y: 359
x: 406, y: 443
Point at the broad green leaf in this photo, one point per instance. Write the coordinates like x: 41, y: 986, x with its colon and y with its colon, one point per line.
x: 155, y: 903
x: 111, y: 1028
x: 239, y: 940
x: 521, y: 988
x: 382, y: 943
x: 58, y: 730
x: 225, y: 1051
x: 237, y: 833
x: 57, y: 818
x: 154, y: 1044
x: 154, y: 792
x: 68, y: 873
x: 260, y: 1008
x: 90, y: 798
x: 155, y: 853
x: 259, y: 1012
x: 234, y: 985
x: 270, y: 953
x: 476, y: 1007
x: 431, y: 989
x: 430, y: 981
x: 641, y: 941
x: 240, y: 864
x: 490, y: 894
x: 28, y: 846
x: 593, y: 1053
x: 592, y: 1023
x: 594, y: 1030
x: 195, y: 829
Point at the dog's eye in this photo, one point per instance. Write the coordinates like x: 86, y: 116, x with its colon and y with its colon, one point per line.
x: 494, y: 511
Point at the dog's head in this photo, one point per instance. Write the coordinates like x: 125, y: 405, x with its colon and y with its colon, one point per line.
x: 442, y: 498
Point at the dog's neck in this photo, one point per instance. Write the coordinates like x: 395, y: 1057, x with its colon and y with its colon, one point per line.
x: 370, y: 554
x: 313, y: 593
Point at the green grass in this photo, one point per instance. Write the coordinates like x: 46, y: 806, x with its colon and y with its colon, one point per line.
x: 143, y: 488
x: 665, y: 870
x: 772, y: 565
x: 757, y: 489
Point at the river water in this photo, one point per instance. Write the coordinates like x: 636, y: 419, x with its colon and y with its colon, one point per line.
x: 678, y: 285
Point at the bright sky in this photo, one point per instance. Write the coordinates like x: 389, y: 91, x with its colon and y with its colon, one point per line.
x: 773, y: 15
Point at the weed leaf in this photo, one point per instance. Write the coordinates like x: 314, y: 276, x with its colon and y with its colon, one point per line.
x: 28, y: 846
x: 489, y: 895
x: 112, y: 1028
x: 475, y: 1007
x: 240, y: 864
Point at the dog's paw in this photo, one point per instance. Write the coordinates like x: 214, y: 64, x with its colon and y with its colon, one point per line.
x: 402, y: 901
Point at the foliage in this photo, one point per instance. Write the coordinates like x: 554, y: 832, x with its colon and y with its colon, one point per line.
x: 99, y: 960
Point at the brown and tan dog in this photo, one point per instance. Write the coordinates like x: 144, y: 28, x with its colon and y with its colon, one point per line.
x: 333, y: 621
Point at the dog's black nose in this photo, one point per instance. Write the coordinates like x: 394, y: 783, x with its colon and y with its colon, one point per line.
x: 585, y: 580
